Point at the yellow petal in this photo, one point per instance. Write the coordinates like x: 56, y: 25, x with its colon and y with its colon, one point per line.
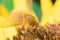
x: 5, y: 22
x: 3, y: 11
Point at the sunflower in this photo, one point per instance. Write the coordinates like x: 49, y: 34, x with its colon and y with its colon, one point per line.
x: 23, y: 24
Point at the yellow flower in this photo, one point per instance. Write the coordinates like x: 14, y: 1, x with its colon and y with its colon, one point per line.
x: 50, y: 12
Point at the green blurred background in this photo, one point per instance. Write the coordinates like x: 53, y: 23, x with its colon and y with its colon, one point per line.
x: 36, y: 6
